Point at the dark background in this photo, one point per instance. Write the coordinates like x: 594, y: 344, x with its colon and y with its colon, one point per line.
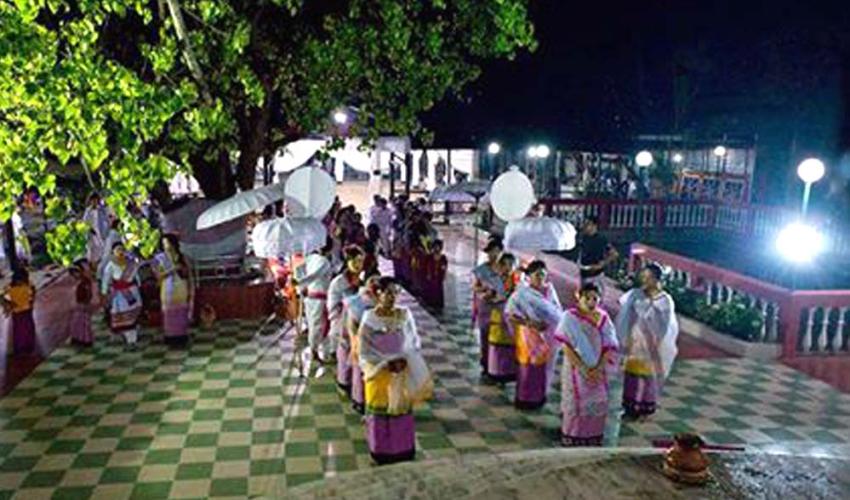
x: 605, y: 71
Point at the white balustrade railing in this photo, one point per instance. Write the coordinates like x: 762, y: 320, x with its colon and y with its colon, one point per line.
x: 752, y: 220
x: 825, y: 330
x: 718, y: 293
x: 632, y: 216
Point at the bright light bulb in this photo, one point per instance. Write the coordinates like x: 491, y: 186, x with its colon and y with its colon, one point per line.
x: 543, y: 151
x: 643, y: 159
x: 494, y: 148
x: 799, y: 243
x: 720, y: 151
x: 678, y: 158
x: 341, y: 117
x: 532, y: 152
x: 811, y: 170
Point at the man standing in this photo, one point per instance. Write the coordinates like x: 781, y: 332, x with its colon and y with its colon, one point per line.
x: 595, y: 253
x: 314, y: 277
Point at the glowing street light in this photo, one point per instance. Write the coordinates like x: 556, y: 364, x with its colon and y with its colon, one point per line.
x: 799, y: 243
x: 543, y: 151
x: 720, y: 151
x: 532, y: 152
x: 810, y: 171
x: 494, y: 148
x: 678, y: 158
x: 643, y: 159
x: 340, y: 117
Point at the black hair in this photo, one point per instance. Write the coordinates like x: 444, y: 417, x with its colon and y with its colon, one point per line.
x: 534, y: 266
x: 588, y: 288
x: 174, y: 241
x: 352, y: 252
x: 439, y: 242
x: 328, y: 247
x: 118, y: 243
x: 20, y: 275
x: 384, y: 283
x: 655, y: 269
x: 507, y: 257
x: 494, y: 244
x: 591, y: 219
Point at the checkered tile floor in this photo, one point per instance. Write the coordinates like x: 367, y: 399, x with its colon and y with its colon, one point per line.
x: 231, y: 417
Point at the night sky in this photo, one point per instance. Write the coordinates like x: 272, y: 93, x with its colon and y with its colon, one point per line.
x: 605, y: 71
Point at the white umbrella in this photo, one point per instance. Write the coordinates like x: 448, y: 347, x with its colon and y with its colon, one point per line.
x: 276, y: 237
x: 538, y: 234
x: 311, y: 191
x: 241, y: 204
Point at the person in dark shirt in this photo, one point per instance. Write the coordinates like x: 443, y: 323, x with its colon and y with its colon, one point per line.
x: 595, y: 253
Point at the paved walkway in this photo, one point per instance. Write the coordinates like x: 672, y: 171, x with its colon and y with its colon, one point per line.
x: 230, y: 416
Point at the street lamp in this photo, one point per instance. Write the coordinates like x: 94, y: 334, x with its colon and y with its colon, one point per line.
x: 340, y: 117
x: 678, y: 158
x: 720, y: 151
x: 799, y: 243
x: 643, y: 159
x: 494, y: 148
x: 543, y: 151
x: 531, y: 152
x: 810, y: 171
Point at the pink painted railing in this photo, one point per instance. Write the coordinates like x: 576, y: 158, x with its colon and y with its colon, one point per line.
x: 803, y: 322
x: 762, y: 221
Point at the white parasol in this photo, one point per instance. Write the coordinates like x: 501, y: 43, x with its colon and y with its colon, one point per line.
x: 512, y: 195
x: 276, y: 237
x: 242, y: 204
x: 310, y: 192
x: 538, y: 234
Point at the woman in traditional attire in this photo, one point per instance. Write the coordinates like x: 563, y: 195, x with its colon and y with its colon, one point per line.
x: 534, y: 311
x: 120, y: 284
x: 81, y: 325
x: 355, y: 306
x: 501, y: 345
x: 486, y: 281
x: 19, y: 302
x: 590, y: 363
x: 435, y: 275
x: 648, y: 331
x: 395, y: 375
x: 342, y: 286
x: 176, y: 291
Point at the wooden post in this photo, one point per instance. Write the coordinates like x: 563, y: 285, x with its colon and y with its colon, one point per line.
x: 408, y: 173
x: 392, y: 176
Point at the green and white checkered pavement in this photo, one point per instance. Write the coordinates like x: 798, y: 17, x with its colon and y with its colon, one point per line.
x: 229, y: 416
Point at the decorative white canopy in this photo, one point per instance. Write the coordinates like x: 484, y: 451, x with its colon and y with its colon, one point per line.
x: 276, y: 237
x: 539, y: 234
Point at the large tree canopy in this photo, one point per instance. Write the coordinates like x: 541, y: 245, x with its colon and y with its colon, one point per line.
x: 136, y: 90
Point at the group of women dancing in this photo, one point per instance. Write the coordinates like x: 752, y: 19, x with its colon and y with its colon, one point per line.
x: 111, y: 269
x: 354, y: 321
x: 522, y: 327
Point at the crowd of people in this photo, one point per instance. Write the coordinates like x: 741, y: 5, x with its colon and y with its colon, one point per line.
x: 522, y: 326
x: 355, y: 323
x: 108, y: 277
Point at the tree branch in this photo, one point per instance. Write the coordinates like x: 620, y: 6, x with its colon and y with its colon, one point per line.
x: 186, y: 48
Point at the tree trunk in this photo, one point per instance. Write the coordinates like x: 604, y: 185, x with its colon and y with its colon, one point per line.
x: 215, y: 177
x: 253, y: 141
